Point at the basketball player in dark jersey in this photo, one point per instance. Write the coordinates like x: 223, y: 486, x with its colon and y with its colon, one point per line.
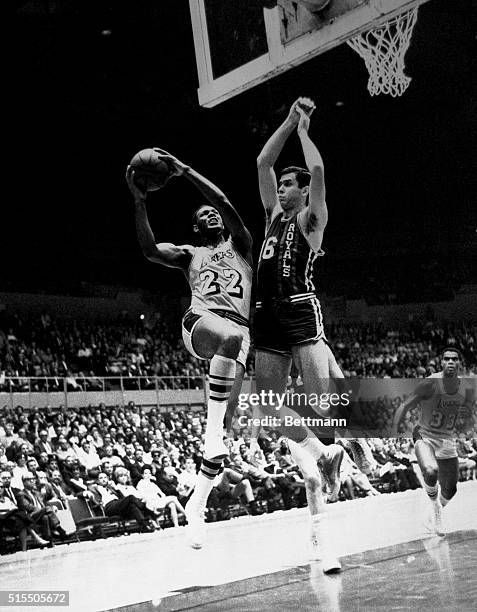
x: 288, y: 320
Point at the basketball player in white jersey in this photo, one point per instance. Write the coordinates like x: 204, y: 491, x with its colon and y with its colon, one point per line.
x: 215, y: 326
x: 442, y: 399
x: 288, y: 322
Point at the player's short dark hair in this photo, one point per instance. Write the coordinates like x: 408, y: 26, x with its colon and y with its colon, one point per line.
x: 303, y: 177
x: 453, y: 349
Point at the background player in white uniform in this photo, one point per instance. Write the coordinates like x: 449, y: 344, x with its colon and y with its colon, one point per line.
x: 216, y: 325
x: 288, y: 320
x: 442, y: 399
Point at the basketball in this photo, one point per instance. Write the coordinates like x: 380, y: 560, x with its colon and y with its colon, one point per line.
x: 151, y: 172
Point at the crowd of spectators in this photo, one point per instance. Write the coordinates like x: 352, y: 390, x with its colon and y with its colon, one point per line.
x: 141, y: 464
x: 82, y: 351
x: 79, y: 352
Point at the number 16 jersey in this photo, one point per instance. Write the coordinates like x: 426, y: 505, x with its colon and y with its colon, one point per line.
x: 221, y: 279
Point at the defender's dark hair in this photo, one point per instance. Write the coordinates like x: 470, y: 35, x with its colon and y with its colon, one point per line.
x: 454, y: 349
x: 303, y: 177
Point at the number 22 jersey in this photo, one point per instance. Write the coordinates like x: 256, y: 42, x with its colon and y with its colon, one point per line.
x: 221, y: 280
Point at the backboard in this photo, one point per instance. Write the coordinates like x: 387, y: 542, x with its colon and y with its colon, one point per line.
x: 240, y: 44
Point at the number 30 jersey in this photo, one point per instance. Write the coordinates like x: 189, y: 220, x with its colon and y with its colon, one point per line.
x: 221, y: 279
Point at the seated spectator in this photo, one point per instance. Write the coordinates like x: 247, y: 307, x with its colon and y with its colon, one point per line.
x: 16, y: 521
x: 22, y: 442
x: 43, y: 461
x: 167, y: 478
x: 187, y: 478
x: 137, y: 465
x: 32, y: 466
x: 233, y: 484
x: 30, y: 502
x: 95, y: 437
x: 75, y: 483
x: 467, y: 458
x: 285, y: 483
x: 3, y: 457
x: 88, y: 458
x: 9, y: 436
x: 108, y: 455
x: 351, y: 476
x: 155, y: 499
x: 43, y: 444
x: 19, y: 470
x: 114, y: 504
x: 10, y: 490
x: 60, y: 490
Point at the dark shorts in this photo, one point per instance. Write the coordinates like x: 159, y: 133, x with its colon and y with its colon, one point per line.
x: 280, y: 324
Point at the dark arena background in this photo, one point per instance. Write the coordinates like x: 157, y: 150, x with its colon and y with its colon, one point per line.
x: 93, y: 371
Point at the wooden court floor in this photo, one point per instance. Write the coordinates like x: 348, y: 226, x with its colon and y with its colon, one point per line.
x: 262, y: 563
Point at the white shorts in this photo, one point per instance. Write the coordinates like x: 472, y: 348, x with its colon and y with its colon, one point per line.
x: 193, y: 316
x: 444, y: 448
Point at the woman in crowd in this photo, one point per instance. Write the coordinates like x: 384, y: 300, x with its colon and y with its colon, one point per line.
x: 155, y: 499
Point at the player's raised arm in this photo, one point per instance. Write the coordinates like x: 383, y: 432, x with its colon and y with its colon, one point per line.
x: 164, y: 253
x: 232, y: 220
x: 267, y: 180
x: 315, y: 217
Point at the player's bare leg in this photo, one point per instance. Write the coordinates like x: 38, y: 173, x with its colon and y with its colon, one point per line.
x: 220, y: 341
x: 234, y: 395
x: 272, y: 374
x: 313, y: 361
x: 362, y: 454
x: 430, y: 471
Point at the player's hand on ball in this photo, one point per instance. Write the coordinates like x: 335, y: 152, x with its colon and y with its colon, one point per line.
x: 177, y: 167
x: 133, y: 188
x: 306, y: 104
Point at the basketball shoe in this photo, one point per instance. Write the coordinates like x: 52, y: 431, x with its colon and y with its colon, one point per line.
x: 196, y: 525
x: 362, y: 455
x: 331, y: 465
x: 320, y: 546
x: 433, y: 521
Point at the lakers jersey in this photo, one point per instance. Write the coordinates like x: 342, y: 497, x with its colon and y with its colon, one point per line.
x: 439, y: 412
x: 221, y: 279
x: 287, y: 263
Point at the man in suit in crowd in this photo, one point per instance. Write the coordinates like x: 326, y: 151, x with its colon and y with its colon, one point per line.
x: 31, y: 502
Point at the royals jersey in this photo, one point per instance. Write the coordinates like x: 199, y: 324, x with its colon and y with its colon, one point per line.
x: 439, y: 412
x: 221, y: 279
x: 287, y: 264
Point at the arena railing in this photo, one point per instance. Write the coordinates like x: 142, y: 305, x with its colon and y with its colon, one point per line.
x: 82, y: 390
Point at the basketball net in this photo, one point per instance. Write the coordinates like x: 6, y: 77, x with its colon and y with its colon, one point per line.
x: 383, y: 50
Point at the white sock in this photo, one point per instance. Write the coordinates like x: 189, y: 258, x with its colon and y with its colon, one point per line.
x: 443, y: 500
x: 317, y: 521
x: 204, y: 483
x: 221, y: 380
x: 431, y: 491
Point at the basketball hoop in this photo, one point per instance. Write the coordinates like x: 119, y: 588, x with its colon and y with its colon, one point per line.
x: 383, y: 50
